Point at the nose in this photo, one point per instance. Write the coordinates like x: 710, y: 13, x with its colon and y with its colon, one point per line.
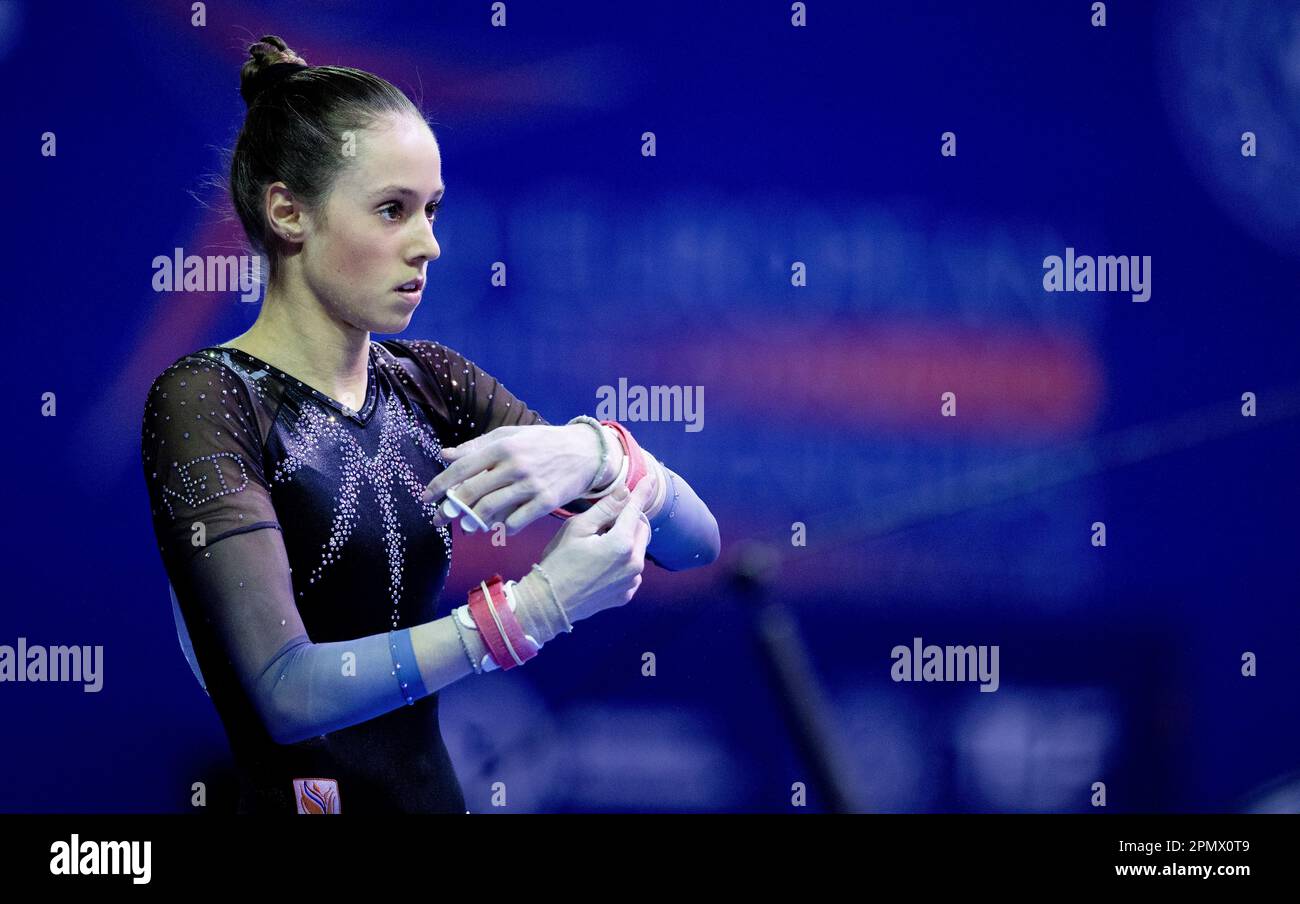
x: 427, y: 247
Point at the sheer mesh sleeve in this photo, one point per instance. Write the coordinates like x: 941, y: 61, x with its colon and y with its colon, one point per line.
x: 474, y: 401
x: 201, y: 447
x: 225, y: 556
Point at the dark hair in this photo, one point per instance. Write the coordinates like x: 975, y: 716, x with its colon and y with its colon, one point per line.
x: 293, y: 131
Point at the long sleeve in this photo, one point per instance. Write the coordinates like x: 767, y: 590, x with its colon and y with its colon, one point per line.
x: 472, y: 401
x: 684, y: 534
x: 225, y: 556
x: 475, y: 403
x: 240, y: 589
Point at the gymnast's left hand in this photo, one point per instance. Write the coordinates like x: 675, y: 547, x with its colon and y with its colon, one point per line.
x: 516, y: 475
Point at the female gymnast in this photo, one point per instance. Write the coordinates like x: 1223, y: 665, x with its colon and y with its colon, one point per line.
x: 301, y: 490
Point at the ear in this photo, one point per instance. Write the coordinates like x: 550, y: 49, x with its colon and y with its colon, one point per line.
x: 285, y: 213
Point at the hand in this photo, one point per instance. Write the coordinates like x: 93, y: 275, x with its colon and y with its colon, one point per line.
x: 593, y: 571
x: 518, y: 474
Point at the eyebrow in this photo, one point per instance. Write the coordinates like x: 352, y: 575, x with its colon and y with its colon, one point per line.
x: 407, y: 192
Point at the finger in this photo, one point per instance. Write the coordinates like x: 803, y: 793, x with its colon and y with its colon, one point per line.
x: 642, y: 532
x: 479, y: 442
x: 464, y: 448
x: 525, y: 515
x: 600, y: 515
x: 436, y: 489
x: 631, y: 517
x: 644, y: 493
x: 636, y: 526
x: 638, y: 533
x: 484, y: 493
x: 461, y: 470
x: 499, y: 505
x: 471, y: 521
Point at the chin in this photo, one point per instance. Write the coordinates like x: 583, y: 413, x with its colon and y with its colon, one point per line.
x: 395, y: 324
x: 380, y: 320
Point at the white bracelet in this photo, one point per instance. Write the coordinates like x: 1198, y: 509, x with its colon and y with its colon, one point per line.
x: 604, y: 448
x: 460, y: 632
x: 564, y: 616
x: 619, y: 479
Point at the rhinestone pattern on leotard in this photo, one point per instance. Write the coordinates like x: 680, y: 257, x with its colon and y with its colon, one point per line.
x: 317, y: 430
x: 384, y: 474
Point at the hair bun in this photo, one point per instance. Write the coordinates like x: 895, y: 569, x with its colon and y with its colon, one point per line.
x: 270, y: 61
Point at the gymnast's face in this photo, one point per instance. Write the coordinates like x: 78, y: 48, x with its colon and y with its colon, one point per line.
x: 377, y: 233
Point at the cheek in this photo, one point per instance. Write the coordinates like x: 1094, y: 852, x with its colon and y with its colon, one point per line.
x: 358, y: 255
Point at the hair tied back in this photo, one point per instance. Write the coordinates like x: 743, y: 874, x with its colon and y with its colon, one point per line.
x: 271, y: 62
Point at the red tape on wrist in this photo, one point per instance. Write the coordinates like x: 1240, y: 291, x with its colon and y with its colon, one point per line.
x: 481, y: 612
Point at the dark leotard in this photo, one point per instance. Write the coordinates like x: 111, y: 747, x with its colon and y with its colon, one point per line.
x: 287, y: 521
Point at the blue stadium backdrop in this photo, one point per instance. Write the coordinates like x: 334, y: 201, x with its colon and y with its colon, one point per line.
x: 838, y: 223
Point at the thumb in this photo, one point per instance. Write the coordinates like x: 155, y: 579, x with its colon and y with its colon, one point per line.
x: 634, y: 510
x: 600, y: 515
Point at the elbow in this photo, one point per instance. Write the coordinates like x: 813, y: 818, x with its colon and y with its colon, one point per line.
x: 285, y: 734
x: 704, y: 550
x: 710, y: 543
x: 713, y: 542
x: 694, y: 540
x: 286, y: 740
x: 282, y: 726
x: 281, y: 716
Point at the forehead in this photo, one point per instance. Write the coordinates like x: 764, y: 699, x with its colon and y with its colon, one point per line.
x: 396, y: 151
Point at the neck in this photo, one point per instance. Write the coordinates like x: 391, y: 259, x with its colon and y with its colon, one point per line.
x: 294, y: 333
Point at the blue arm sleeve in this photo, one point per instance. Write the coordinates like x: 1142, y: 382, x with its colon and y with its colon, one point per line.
x: 309, y: 689
x: 684, y: 534
x: 220, y: 539
x: 238, y: 594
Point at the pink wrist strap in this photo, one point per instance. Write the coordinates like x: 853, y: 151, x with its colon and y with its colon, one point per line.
x: 636, y: 461
x: 498, y: 625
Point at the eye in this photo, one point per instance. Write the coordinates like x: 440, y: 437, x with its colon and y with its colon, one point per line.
x: 431, y: 211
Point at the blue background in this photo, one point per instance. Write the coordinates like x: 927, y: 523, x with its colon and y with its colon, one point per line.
x: 775, y: 144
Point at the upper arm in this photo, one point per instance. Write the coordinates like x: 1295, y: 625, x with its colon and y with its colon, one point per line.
x: 202, y: 454
x: 240, y: 592
x: 213, y: 518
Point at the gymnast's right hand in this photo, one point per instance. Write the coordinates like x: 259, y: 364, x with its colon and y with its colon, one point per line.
x: 594, y: 568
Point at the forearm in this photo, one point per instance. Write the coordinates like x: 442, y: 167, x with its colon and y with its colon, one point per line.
x: 441, y: 654
x: 309, y: 689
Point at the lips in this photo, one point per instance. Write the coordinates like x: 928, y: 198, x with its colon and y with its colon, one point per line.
x: 414, y: 285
